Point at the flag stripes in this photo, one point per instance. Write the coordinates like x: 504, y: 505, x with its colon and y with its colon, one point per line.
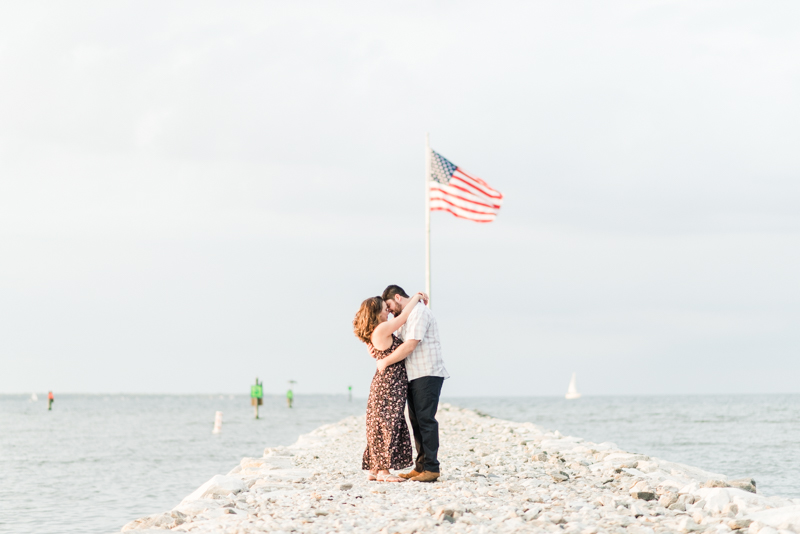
x: 453, y: 190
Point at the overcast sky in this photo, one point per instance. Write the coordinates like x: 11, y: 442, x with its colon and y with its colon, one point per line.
x: 194, y: 193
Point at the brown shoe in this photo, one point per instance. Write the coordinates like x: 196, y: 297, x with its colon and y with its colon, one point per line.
x: 412, y: 474
x: 426, y: 476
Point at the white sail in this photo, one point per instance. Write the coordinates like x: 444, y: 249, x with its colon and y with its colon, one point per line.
x: 572, y: 390
x: 34, y: 397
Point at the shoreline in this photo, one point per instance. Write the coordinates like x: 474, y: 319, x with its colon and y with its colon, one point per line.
x: 497, y: 475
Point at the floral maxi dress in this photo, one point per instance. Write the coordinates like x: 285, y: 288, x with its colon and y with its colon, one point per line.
x: 388, y: 441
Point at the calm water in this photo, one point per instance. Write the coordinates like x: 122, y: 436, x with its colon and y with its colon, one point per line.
x: 96, y: 462
x: 738, y: 436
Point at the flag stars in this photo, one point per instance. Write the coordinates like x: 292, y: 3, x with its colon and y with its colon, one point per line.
x: 441, y: 169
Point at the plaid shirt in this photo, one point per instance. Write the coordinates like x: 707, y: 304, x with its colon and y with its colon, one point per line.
x: 426, y: 359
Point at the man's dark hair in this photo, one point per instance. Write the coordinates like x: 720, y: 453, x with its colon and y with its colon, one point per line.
x: 391, y: 291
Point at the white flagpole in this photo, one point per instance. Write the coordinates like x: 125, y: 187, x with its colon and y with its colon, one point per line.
x: 427, y: 218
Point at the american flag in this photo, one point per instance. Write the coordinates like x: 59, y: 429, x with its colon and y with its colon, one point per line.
x: 452, y: 189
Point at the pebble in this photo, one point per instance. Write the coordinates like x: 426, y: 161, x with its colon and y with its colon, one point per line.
x: 497, y: 476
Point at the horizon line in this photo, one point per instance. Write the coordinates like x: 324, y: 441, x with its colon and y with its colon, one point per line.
x: 282, y: 395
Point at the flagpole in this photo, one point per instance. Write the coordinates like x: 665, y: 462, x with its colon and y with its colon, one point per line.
x: 427, y: 218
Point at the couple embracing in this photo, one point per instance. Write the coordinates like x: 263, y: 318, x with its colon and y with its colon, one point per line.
x: 410, y: 370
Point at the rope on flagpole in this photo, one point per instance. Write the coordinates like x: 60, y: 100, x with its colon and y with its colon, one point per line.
x: 427, y: 218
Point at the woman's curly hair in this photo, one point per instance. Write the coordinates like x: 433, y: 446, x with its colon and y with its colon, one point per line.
x: 367, y: 318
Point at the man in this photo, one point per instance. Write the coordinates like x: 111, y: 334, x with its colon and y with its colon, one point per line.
x: 426, y: 373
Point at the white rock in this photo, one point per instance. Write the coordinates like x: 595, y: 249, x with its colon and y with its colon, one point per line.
x: 689, y: 488
x: 731, y: 508
x: 716, y: 499
x: 640, y: 474
x: 637, y: 511
x: 777, y: 516
x: 218, y: 486
x: 687, y: 524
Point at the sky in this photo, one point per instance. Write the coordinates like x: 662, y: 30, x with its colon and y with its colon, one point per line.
x: 193, y: 194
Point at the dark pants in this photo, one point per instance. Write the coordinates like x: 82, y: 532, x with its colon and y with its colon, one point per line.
x: 423, y: 400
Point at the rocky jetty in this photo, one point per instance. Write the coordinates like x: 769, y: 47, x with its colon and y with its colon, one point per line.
x: 497, y: 476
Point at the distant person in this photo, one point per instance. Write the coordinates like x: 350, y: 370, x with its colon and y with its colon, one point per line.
x: 388, y: 441
x: 289, y: 398
x: 50, y: 400
x: 426, y: 374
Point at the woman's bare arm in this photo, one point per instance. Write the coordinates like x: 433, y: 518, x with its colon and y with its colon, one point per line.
x: 399, y: 354
x: 385, y: 329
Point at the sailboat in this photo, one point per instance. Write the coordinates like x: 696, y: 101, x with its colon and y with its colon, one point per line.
x: 34, y: 397
x: 572, y: 391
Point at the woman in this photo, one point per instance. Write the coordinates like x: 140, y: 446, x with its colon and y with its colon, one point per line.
x: 388, y: 441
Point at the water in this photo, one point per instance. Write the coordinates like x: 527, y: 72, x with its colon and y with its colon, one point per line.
x: 739, y: 436
x: 98, y: 461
